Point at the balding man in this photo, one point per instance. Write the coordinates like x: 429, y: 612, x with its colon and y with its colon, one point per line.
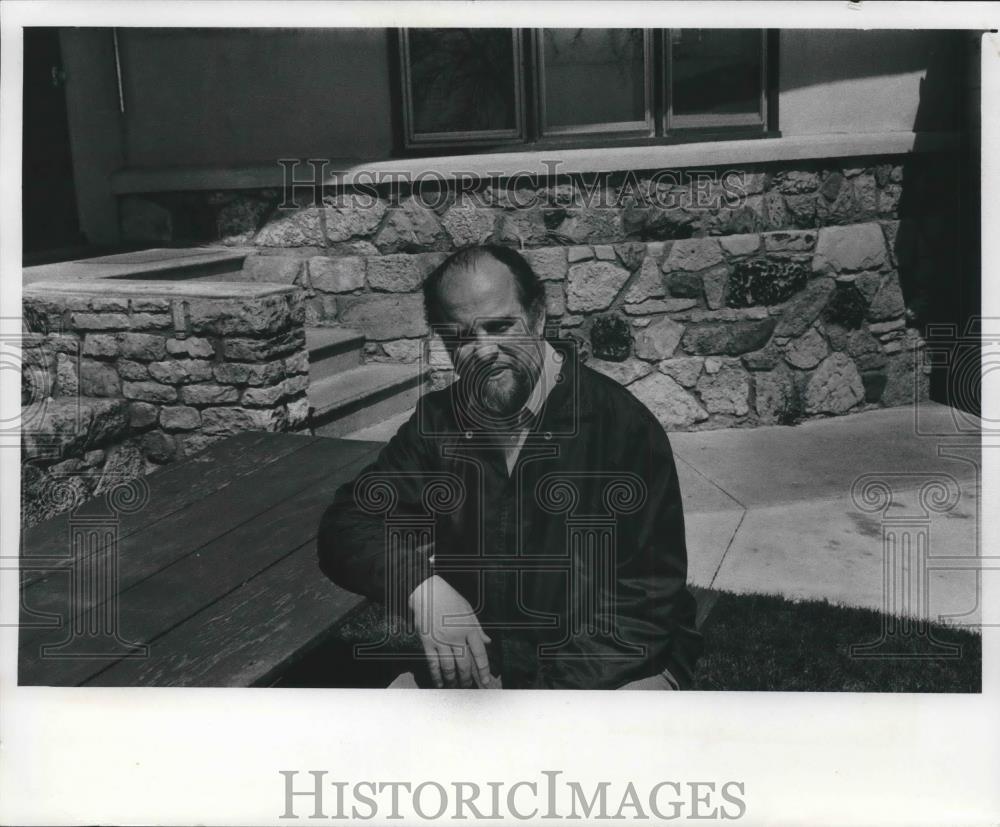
x: 544, y: 543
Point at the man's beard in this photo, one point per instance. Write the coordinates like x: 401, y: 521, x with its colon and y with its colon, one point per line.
x: 496, y: 391
x: 504, y: 394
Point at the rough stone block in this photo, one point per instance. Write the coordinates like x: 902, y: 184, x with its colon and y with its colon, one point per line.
x: 730, y: 338
x: 299, y: 363
x: 716, y: 283
x: 468, y: 225
x: 785, y: 241
x: 685, y: 285
x: 673, y: 406
x: 594, y: 285
x: 549, y: 263
x: 846, y: 307
x: 233, y: 317
x: 337, y: 275
x: 774, y: 394
x: 683, y: 369
x: 656, y: 306
x: 150, y: 305
x: 144, y: 347
x: 404, y: 350
x: 742, y: 244
x: 259, y: 350
x: 802, y: 311
x: 624, y: 373
x: 888, y: 302
x: 151, y: 321
x: 132, y: 371
x: 100, y: 344
x: 277, y: 269
x: 849, y: 248
x: 208, y: 394
x: 598, y: 224
x: 807, y: 351
x: 158, y: 446
x: 834, y: 387
x: 401, y: 273
x: 693, y: 254
x: 99, y: 379
x: 179, y: 418
x: 725, y: 391
x: 194, y: 346
x: 148, y: 392
x: 232, y: 420
x: 297, y: 413
x: 659, y: 340
x: 648, y: 284
x: 142, y: 415
x: 409, y: 227
x: 610, y: 338
x: 101, y: 321
x: 67, y: 375
x: 292, y: 228
x: 761, y: 281
x: 266, y: 397
x: 353, y: 217
x: 181, y: 371
x: 555, y: 299
x: 382, y: 317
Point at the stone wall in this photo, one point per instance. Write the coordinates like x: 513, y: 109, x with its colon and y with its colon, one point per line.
x: 727, y: 296
x: 121, y: 377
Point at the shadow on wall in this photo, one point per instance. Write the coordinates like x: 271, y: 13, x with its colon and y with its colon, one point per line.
x: 937, y: 242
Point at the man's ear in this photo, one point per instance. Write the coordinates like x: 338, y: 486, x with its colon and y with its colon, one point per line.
x: 536, y: 317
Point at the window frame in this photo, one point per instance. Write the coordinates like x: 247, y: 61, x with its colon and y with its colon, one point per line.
x: 660, y: 128
x: 672, y: 124
x: 645, y: 128
x: 482, y: 137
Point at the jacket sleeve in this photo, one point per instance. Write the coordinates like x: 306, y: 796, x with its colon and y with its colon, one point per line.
x: 352, y: 539
x: 650, y: 609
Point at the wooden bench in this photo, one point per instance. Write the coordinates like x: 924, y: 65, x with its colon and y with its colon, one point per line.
x: 211, y: 581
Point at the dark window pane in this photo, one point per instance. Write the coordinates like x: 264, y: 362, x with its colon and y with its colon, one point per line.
x: 716, y: 71
x: 594, y: 76
x: 462, y: 80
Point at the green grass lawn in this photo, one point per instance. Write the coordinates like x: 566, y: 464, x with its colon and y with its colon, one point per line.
x: 752, y: 642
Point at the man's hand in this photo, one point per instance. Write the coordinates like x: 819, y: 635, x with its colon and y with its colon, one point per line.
x: 456, y: 654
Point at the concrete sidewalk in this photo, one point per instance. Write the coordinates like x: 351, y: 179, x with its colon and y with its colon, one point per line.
x: 770, y: 509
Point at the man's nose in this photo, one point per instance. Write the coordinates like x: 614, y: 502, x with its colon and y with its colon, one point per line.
x: 485, y: 349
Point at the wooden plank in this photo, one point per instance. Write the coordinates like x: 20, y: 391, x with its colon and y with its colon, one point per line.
x: 248, y: 637
x: 154, y: 606
x: 172, y: 489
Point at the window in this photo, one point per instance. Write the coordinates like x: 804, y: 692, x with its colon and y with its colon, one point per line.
x: 506, y: 88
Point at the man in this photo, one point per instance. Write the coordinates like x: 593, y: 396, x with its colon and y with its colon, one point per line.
x: 552, y: 553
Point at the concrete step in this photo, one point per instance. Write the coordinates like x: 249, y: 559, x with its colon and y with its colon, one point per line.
x: 363, y: 396
x: 332, y: 350
x: 381, y: 431
x: 155, y: 264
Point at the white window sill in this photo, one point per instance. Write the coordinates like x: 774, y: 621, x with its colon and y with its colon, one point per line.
x: 542, y: 162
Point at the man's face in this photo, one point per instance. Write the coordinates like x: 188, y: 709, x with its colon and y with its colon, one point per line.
x: 497, y: 352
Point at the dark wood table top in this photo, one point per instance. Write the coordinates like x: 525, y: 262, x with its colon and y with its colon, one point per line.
x: 202, y: 574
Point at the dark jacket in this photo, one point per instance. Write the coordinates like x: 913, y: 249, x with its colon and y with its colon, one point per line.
x: 575, y: 563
